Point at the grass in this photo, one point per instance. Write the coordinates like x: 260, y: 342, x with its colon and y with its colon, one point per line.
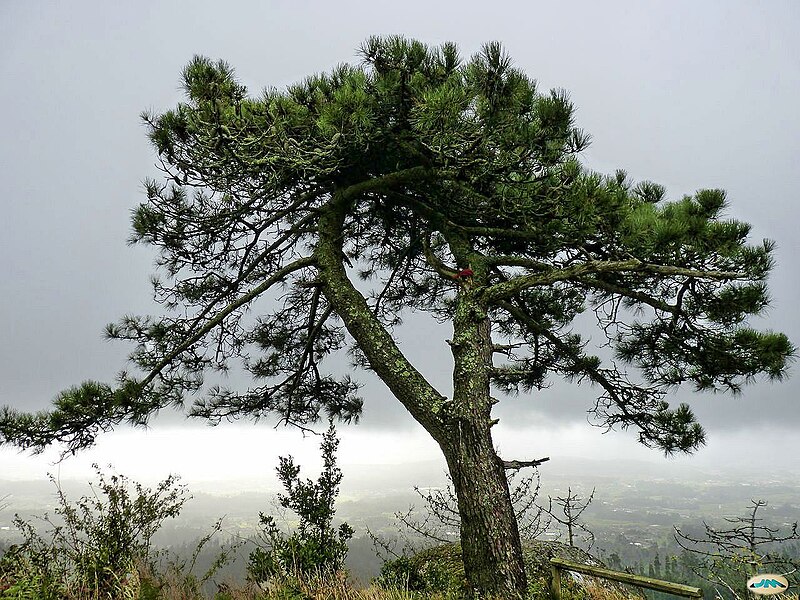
x: 175, y: 583
x: 145, y: 585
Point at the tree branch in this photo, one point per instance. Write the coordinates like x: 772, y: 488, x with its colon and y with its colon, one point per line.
x: 413, y: 390
x: 506, y: 289
x: 519, y: 464
x: 636, y: 405
x: 632, y: 294
x: 277, y: 277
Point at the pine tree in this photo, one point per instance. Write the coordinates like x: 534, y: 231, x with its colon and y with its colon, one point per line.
x: 454, y: 188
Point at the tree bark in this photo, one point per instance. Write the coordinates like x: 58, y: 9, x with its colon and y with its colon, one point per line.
x: 490, y: 541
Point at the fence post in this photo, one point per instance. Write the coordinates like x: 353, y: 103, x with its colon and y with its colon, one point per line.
x: 555, y: 582
x: 557, y: 564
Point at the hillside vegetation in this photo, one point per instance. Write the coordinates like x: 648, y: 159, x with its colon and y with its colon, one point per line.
x: 100, y: 547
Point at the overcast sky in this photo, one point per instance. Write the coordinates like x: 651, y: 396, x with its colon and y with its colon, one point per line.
x: 688, y: 94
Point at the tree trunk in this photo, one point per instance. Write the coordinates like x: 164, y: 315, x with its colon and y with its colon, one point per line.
x: 490, y: 542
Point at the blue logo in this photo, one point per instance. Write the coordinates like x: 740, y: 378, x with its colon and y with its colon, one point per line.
x: 767, y: 583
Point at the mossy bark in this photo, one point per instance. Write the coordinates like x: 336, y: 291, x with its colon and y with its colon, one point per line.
x: 490, y: 539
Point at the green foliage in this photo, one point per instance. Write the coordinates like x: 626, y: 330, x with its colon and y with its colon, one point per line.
x: 316, y: 547
x: 95, y: 545
x: 406, y: 573
x: 33, y: 576
x: 432, y: 163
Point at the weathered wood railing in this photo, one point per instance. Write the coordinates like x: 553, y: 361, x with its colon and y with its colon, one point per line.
x: 558, y: 564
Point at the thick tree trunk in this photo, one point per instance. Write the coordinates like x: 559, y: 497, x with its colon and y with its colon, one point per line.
x: 490, y: 541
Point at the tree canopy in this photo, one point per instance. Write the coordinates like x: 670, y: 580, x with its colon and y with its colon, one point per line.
x: 430, y: 177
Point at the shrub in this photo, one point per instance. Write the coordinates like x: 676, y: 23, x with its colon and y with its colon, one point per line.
x: 94, y: 546
x: 316, y: 547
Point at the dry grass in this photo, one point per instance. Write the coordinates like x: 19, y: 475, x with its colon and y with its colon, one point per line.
x: 329, y: 587
x: 596, y: 591
x: 146, y: 585
x: 315, y: 587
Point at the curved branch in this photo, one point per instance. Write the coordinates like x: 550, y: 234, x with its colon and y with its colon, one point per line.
x: 637, y: 405
x: 432, y: 260
x: 507, y: 289
x: 277, y: 277
x: 632, y: 294
x: 413, y: 390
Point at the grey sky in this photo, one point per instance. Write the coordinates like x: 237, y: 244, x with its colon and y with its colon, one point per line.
x: 684, y: 93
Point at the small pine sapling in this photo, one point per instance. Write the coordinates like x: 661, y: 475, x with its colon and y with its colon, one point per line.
x: 316, y: 546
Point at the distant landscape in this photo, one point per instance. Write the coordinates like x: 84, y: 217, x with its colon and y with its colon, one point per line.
x: 632, y: 517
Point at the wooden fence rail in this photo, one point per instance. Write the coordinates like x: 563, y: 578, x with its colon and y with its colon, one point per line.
x: 557, y: 565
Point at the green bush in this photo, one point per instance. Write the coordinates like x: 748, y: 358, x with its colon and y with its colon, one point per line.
x: 402, y: 574
x: 316, y: 547
x: 431, y: 571
x: 94, y: 547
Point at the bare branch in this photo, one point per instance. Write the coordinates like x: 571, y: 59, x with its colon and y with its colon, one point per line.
x: 519, y: 464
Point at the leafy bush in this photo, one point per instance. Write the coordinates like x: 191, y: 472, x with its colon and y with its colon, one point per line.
x: 188, y: 577
x: 316, y: 547
x: 436, y: 570
x: 403, y: 574
x: 93, y: 547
